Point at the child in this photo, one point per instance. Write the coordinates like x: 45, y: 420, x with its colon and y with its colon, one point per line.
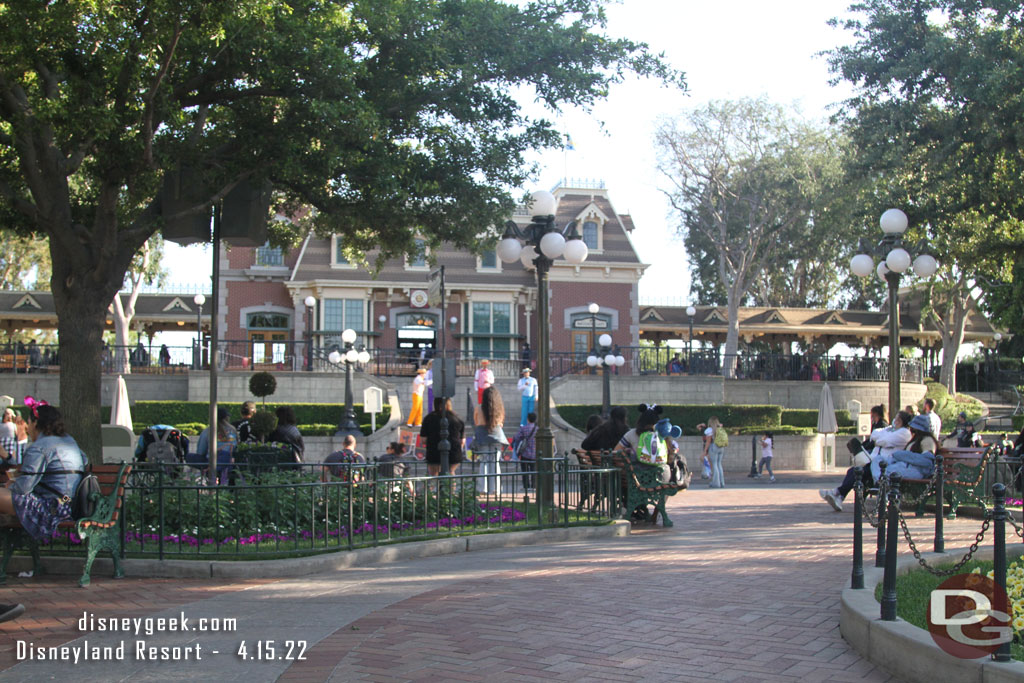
x: 767, y: 442
x: 1005, y: 445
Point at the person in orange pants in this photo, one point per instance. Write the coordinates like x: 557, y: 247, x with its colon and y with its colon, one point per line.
x: 419, y: 383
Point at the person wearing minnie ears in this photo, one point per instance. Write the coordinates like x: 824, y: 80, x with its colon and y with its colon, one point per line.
x: 51, y: 467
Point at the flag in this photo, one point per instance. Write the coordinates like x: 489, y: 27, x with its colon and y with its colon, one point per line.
x: 568, y: 143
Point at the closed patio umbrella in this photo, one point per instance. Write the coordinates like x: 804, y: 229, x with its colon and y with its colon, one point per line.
x: 120, y: 410
x: 827, y: 425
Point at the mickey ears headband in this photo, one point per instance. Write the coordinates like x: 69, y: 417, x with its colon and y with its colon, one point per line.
x: 34, y: 404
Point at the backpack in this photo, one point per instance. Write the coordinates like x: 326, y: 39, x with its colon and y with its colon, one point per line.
x: 83, y: 502
x: 721, y: 437
x: 161, y: 450
x: 652, y: 449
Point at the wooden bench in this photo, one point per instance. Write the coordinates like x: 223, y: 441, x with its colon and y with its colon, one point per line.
x: 98, y: 532
x: 641, y: 485
x: 19, y: 363
x: 963, y: 470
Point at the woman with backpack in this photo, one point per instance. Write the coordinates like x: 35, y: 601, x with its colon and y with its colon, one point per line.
x: 718, y: 441
x: 51, y: 468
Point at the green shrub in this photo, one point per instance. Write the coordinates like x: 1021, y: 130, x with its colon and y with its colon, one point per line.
x: 800, y: 417
x: 262, y: 423
x: 262, y: 384
x: 180, y: 413
x: 738, y: 419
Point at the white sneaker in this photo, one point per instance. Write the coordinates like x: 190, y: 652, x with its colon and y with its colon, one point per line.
x: 824, y: 493
x: 835, y: 501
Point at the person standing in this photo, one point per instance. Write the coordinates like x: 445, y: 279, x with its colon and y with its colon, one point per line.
x: 489, y: 437
x: 483, y: 379
x: 244, y: 426
x: 429, y: 377
x: 529, y: 388
x: 767, y: 444
x: 525, y: 442
x: 431, y: 433
x: 287, y: 431
x: 718, y: 441
x: 419, y: 385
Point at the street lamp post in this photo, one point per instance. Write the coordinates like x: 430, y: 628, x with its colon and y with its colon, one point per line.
x: 538, y: 244
x: 690, y: 312
x: 606, y: 357
x: 348, y: 424
x: 593, y: 308
x: 896, y: 260
x: 199, y: 300
x: 310, y: 303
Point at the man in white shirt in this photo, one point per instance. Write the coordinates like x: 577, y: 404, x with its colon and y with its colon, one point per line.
x: 933, y: 418
x: 529, y: 389
x: 482, y: 379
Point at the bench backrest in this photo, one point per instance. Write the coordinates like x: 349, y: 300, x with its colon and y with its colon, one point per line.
x: 112, y: 479
x: 955, y: 459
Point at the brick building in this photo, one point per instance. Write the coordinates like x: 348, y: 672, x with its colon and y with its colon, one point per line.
x: 490, y: 311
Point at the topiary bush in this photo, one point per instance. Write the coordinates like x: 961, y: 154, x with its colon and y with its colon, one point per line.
x: 261, y: 385
x: 262, y: 423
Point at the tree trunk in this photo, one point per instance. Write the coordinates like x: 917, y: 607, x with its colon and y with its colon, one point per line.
x: 80, y: 319
x: 122, y: 321
x: 732, y: 336
x: 947, y: 373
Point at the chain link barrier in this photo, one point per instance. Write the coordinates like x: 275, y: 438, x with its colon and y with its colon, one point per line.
x: 964, y: 560
x: 870, y: 512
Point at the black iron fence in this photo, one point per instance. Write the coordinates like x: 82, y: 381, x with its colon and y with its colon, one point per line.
x: 291, y: 509
x: 295, y: 356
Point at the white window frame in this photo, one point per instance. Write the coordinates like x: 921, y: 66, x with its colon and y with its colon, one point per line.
x: 335, y: 240
x: 426, y: 258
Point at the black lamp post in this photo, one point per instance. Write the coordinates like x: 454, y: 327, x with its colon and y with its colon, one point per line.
x: 896, y: 260
x: 593, y: 309
x: 608, y: 358
x: 199, y: 300
x: 537, y: 245
x: 690, y: 312
x: 310, y: 303
x: 348, y: 424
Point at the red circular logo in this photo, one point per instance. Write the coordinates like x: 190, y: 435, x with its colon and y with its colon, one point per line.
x: 969, y: 616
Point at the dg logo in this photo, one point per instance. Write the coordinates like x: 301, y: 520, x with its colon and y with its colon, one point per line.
x: 969, y: 616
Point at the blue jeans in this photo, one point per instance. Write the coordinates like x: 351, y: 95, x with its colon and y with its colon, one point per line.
x: 527, y: 408
x: 914, y: 465
x: 715, y: 455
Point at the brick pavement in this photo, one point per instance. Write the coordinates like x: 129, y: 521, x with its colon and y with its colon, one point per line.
x: 745, y: 587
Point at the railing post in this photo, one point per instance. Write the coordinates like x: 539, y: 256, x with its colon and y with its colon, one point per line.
x: 883, y: 505
x: 160, y: 503
x: 889, y: 577
x: 857, y: 575
x: 940, y: 541
x: 1002, y: 653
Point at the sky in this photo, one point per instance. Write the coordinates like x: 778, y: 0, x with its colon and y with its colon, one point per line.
x: 728, y: 49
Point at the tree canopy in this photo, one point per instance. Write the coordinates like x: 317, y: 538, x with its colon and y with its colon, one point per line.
x: 388, y: 117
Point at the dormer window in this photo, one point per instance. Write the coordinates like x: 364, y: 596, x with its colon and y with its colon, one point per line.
x: 590, y: 234
x: 418, y: 259
x: 488, y: 261
x: 338, y: 258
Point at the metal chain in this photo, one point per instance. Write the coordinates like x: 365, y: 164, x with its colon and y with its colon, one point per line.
x: 870, y: 513
x: 955, y: 568
x: 1016, y: 527
x: 928, y: 490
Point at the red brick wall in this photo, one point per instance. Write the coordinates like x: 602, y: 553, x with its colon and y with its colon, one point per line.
x: 609, y: 295
x: 242, y: 294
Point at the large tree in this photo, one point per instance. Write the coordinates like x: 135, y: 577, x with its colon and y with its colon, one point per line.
x: 939, y: 128
x: 748, y: 184
x: 145, y: 269
x: 390, y: 117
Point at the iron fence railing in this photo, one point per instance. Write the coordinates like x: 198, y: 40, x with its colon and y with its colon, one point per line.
x: 301, y: 509
x: 295, y: 355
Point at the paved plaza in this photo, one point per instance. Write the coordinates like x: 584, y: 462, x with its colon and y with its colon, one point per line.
x: 745, y: 587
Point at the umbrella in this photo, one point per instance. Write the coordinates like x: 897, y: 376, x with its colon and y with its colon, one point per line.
x: 120, y: 411
x: 826, y: 412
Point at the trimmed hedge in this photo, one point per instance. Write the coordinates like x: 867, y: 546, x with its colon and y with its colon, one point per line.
x: 738, y: 419
x: 809, y: 418
x: 177, y: 412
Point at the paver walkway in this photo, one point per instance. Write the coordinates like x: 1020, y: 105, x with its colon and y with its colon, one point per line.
x: 745, y: 587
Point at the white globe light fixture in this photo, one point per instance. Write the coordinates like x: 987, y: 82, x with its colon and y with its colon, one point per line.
x: 509, y: 250
x: 199, y: 299
x: 334, y: 357
x: 609, y: 360
x: 352, y: 355
x: 925, y: 265
x: 576, y: 252
x: 898, y: 260
x: 605, y: 340
x: 593, y: 309
x: 861, y: 265
x: 543, y: 203
x: 592, y: 361
x: 310, y: 302
x: 893, y: 222
x: 881, y: 271
x: 552, y: 245
x: 620, y: 361
x: 691, y: 311
x: 348, y: 336
x: 364, y: 356
x: 528, y: 256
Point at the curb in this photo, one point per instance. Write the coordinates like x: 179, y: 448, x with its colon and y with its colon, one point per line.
x: 906, y: 651
x: 327, y: 562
